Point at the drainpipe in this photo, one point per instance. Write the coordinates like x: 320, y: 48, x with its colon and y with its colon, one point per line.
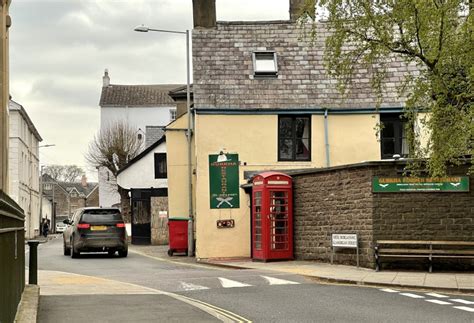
x: 326, y: 137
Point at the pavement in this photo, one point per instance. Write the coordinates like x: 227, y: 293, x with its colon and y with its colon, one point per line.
x: 460, y: 282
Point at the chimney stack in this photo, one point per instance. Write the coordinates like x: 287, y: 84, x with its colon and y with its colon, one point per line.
x: 106, y: 78
x: 84, y: 181
x: 296, y: 9
x: 204, y: 13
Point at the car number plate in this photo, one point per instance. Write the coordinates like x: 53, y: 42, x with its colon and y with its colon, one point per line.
x: 98, y: 227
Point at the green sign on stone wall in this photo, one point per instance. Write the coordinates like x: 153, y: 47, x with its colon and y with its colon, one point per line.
x: 224, y: 182
x: 420, y: 184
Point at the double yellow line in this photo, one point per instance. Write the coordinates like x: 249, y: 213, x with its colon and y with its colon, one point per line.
x: 220, y: 313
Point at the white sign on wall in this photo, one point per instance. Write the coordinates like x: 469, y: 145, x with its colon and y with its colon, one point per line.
x: 344, y: 240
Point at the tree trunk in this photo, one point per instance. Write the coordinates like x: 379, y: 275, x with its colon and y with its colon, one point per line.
x: 125, y: 204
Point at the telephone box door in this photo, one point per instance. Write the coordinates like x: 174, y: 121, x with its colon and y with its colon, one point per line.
x: 272, y: 216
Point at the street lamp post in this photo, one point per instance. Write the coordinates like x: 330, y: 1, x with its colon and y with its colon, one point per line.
x: 188, y: 131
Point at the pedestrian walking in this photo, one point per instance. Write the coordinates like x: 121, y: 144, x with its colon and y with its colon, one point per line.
x: 45, y: 228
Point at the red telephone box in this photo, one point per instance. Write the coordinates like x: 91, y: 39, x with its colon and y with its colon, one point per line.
x: 272, y: 216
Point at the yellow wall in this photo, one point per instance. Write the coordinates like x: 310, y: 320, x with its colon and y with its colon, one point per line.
x: 177, y: 164
x: 352, y: 138
x: 254, y: 138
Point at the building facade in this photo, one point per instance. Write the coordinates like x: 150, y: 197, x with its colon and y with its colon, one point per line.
x: 148, y: 108
x: 24, y: 166
x: 65, y: 197
x: 262, y: 92
x: 145, y: 178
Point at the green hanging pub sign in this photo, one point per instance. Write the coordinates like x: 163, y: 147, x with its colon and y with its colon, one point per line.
x: 224, y: 182
x: 420, y: 184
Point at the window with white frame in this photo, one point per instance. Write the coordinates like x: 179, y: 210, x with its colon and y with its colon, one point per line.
x: 265, y: 63
x: 172, y: 114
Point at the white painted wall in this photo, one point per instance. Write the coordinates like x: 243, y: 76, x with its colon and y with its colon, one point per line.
x: 24, y: 169
x: 139, y: 117
x: 142, y: 173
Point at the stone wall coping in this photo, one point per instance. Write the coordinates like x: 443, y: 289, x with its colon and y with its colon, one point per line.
x: 257, y: 22
x: 388, y: 162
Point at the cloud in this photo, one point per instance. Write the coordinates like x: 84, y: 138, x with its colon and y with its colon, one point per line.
x: 59, y: 49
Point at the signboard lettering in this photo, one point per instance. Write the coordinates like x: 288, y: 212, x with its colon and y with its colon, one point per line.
x: 344, y: 240
x: 224, y: 182
x: 420, y: 184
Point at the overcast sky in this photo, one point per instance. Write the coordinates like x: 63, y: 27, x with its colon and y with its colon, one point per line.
x: 60, y: 48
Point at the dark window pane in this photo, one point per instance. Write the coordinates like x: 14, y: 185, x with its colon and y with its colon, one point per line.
x: 302, y: 149
x: 294, y: 138
x: 388, y: 147
x: 286, y: 128
x: 104, y: 216
x: 302, y: 127
x: 388, y: 130
x: 286, y: 149
x: 160, y: 165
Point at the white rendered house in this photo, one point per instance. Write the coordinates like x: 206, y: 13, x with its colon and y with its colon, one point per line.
x: 23, y: 166
x: 145, y: 177
x: 148, y: 108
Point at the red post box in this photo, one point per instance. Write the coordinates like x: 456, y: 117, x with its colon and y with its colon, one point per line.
x: 272, y: 216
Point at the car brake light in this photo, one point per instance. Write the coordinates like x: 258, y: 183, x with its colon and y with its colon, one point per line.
x: 120, y: 225
x: 83, y: 226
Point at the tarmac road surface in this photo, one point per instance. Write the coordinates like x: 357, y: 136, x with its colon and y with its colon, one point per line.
x: 97, y: 288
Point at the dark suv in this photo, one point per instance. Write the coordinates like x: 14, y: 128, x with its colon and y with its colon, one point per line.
x: 94, y: 229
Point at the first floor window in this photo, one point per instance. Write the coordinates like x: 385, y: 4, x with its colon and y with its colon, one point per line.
x: 393, y: 139
x: 160, y: 165
x: 172, y: 114
x: 294, y: 138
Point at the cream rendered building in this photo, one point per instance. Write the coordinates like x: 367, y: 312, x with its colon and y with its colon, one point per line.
x: 24, y: 166
x: 262, y: 92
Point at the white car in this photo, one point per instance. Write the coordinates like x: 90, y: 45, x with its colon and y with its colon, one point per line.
x: 60, y: 227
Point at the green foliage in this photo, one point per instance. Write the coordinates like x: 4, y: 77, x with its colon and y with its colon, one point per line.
x: 436, y: 37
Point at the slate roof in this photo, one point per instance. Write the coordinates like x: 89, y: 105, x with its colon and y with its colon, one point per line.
x: 181, y: 92
x: 142, y: 154
x: 153, y: 134
x: 83, y: 190
x: 224, y: 75
x: 116, y: 95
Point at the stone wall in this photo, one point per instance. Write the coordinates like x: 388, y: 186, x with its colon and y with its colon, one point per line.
x: 340, y: 200
x: 337, y: 201
x: 159, y: 222
x: 423, y: 216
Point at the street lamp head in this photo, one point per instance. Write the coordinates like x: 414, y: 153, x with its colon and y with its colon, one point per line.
x: 142, y: 29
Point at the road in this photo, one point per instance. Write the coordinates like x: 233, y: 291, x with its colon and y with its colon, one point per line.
x: 165, y: 291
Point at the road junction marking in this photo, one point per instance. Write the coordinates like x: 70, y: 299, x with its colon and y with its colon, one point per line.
x: 227, y: 283
x: 278, y: 281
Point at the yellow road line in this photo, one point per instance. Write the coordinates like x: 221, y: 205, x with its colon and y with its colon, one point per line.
x: 177, y: 262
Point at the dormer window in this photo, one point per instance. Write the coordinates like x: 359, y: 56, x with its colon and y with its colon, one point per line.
x: 265, y: 64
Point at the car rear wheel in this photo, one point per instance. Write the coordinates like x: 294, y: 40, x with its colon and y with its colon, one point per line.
x: 74, y: 253
x: 123, y: 253
x: 66, y: 250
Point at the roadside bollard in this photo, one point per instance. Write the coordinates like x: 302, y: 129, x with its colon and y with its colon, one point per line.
x: 33, y: 272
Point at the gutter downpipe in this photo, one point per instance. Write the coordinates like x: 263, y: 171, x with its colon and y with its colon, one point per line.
x: 189, y: 137
x: 326, y: 137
